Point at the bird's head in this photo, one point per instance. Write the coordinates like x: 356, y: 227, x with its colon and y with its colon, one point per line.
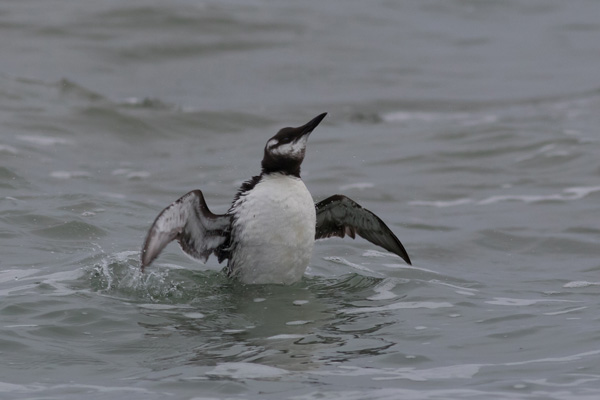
x: 285, y: 151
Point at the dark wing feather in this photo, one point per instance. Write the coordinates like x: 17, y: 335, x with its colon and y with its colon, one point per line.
x: 340, y: 216
x: 199, y: 232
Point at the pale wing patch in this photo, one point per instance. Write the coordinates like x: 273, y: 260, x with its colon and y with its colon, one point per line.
x: 199, y: 232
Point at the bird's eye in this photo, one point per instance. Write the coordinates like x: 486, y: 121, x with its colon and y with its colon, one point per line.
x: 286, y: 140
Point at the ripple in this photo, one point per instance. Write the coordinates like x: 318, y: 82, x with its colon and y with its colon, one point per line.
x: 399, y: 306
x: 72, y: 230
x: 69, y: 174
x: 358, y: 185
x: 9, y: 179
x: 580, y: 284
x: 506, y: 301
x: 464, y: 119
x: 569, y: 310
x: 242, y: 370
x: 568, y: 194
x: 69, y: 88
x: 44, y: 141
x: 460, y: 371
x: 84, y: 390
x: 4, y: 148
x: 131, y: 174
x: 145, y: 102
x: 441, y: 203
x: 343, y: 261
x: 384, y: 289
x: 445, y: 394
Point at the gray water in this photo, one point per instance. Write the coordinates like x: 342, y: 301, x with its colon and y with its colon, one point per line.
x: 470, y: 127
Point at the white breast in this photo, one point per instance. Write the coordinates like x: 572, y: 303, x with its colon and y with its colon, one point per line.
x: 273, y: 231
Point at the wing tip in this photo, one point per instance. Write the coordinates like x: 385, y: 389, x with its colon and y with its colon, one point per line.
x: 400, y: 250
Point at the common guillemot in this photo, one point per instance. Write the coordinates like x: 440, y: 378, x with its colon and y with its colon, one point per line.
x: 268, y: 234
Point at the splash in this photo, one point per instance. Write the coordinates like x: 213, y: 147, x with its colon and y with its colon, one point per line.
x: 119, y: 275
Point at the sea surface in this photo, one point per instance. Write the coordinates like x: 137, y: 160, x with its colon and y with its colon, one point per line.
x: 471, y: 127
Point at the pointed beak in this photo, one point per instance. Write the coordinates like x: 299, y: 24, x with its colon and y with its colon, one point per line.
x: 309, y: 127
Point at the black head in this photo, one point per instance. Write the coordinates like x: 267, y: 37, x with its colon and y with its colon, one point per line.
x: 284, y: 152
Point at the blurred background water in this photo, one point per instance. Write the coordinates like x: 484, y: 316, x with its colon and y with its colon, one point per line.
x: 471, y: 127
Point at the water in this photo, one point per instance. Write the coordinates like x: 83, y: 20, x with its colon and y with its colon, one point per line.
x: 470, y: 127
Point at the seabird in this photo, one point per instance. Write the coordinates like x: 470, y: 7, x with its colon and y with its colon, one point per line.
x: 268, y: 233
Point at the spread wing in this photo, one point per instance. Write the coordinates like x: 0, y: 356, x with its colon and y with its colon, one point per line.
x: 340, y: 216
x: 199, y: 232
